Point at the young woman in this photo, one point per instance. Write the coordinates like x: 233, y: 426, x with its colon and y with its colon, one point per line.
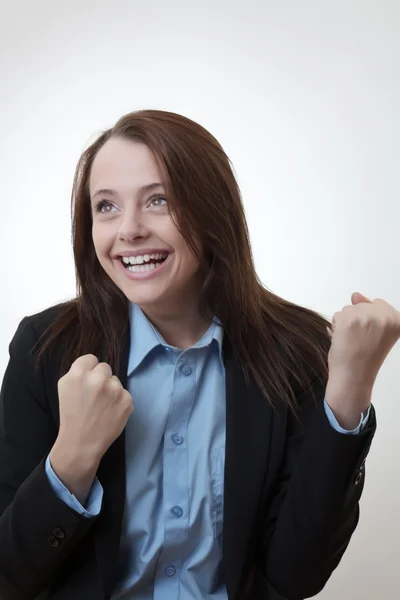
x: 177, y: 431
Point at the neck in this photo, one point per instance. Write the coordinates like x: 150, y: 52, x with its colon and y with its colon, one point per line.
x: 181, y: 329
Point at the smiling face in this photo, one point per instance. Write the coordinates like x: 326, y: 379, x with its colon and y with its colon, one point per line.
x: 131, y: 215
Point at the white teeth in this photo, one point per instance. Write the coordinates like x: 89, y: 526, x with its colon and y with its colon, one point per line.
x: 139, y: 260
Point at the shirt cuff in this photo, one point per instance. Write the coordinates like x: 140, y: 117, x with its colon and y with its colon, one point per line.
x: 94, y: 499
x: 333, y: 421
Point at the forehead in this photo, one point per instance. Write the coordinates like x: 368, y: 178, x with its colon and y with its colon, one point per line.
x: 125, y: 163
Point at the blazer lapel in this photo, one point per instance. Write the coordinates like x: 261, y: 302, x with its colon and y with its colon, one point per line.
x: 248, y: 428
x: 111, y: 474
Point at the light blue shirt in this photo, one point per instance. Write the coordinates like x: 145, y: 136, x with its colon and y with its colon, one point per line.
x: 171, y: 543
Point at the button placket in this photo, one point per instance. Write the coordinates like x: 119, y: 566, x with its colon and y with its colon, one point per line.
x: 176, y: 475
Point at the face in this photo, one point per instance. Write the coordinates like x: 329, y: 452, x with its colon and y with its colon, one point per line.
x: 133, y: 218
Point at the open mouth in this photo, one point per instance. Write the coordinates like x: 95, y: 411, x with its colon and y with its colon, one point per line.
x: 149, y: 265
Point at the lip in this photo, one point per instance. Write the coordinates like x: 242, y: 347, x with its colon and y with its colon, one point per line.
x: 146, y: 274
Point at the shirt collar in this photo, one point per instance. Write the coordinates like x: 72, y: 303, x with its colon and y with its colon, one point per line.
x: 144, y: 337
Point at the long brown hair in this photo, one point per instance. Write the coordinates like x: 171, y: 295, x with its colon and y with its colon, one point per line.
x: 276, y: 342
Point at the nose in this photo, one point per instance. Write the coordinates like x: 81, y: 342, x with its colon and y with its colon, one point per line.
x: 132, y: 225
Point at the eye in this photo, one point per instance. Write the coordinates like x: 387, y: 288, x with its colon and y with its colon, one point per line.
x: 158, y: 198
x: 100, y: 205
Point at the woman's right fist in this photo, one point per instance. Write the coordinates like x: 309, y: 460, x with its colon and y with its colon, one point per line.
x: 93, y: 405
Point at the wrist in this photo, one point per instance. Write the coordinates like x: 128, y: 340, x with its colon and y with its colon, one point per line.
x: 74, y: 457
x: 74, y: 469
x: 348, y: 402
x: 348, y: 420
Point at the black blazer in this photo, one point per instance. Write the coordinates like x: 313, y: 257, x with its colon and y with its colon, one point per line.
x: 291, y: 490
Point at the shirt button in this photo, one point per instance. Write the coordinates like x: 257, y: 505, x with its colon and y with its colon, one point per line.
x: 177, y: 439
x: 53, y: 541
x: 177, y: 511
x: 185, y: 369
x: 170, y: 571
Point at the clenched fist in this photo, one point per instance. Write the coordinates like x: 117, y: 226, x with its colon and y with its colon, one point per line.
x: 94, y: 409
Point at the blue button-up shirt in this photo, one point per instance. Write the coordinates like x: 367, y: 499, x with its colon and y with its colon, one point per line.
x: 171, y: 543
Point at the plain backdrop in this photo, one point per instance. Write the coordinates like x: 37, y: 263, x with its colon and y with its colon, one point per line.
x: 304, y: 97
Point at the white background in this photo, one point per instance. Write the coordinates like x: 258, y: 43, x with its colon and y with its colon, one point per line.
x: 304, y: 97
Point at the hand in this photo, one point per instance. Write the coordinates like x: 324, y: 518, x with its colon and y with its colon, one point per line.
x: 94, y: 407
x: 363, y: 335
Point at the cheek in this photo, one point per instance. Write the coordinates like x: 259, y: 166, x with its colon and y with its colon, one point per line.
x: 96, y: 237
x: 190, y: 264
x: 101, y: 240
x: 179, y: 243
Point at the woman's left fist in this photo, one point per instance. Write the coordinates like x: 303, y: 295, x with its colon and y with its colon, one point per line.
x: 362, y: 336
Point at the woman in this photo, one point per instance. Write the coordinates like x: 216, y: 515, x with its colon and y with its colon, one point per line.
x: 169, y: 433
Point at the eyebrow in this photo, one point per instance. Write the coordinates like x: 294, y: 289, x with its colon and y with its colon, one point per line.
x: 144, y: 188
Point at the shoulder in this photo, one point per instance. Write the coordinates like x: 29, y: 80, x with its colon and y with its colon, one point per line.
x: 31, y: 328
x: 42, y: 320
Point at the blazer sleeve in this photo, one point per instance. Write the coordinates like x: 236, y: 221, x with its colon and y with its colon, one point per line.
x: 38, y: 531
x: 315, y: 505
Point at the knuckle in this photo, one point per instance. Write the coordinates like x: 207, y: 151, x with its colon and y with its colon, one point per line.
x: 99, y: 379
x: 104, y: 369
x: 126, y: 397
x: 86, y: 358
x: 82, y: 364
x: 115, y: 381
